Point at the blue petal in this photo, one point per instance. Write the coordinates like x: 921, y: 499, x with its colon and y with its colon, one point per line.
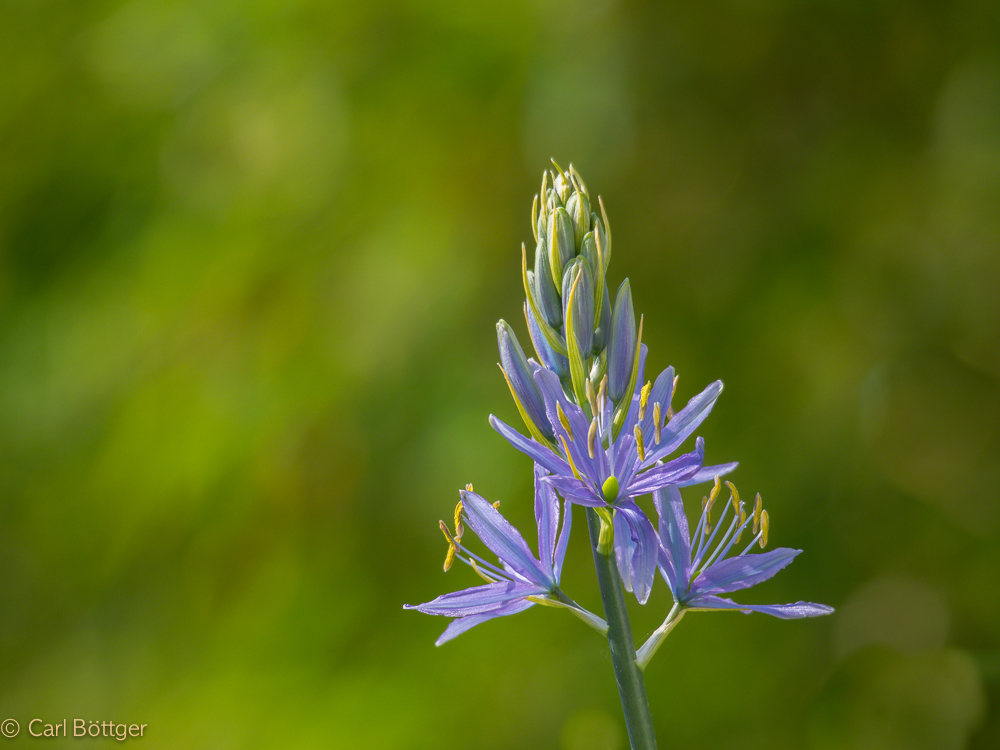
x: 639, y: 546
x: 519, y: 373
x: 552, y: 394
x: 563, y: 539
x: 735, y: 573
x: 459, y: 626
x: 674, y: 535
x: 673, y: 472
x: 477, y: 599
x: 621, y: 343
x: 783, y: 611
x: 708, y: 474
x: 660, y: 393
x: 532, y: 448
x: 546, y: 518
x: 685, y: 422
x: 578, y: 492
x: 549, y: 356
x: 504, y: 540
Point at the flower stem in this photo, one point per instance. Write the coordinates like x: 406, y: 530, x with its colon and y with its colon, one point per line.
x: 631, y: 686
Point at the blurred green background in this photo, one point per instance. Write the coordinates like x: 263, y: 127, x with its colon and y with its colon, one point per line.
x: 251, y: 255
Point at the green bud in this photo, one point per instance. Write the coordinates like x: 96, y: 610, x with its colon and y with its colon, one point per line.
x: 610, y: 490
x: 588, y: 251
x: 583, y: 305
x: 562, y: 245
x: 563, y: 187
x: 603, y: 322
x: 602, y: 231
x: 546, y: 294
x: 579, y: 209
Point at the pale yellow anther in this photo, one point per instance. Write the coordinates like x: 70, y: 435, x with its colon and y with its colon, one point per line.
x: 564, y: 421
x: 481, y: 573
x: 469, y: 487
x: 643, y: 398
x: 447, y: 534
x: 637, y: 431
x: 570, y: 458
x: 458, y: 514
x: 735, y: 496
x: 758, y: 508
x: 657, y: 423
x: 602, y: 392
x: 591, y: 397
x: 592, y: 437
x: 743, y: 519
x: 764, y: 526
x: 714, y: 493
x: 670, y: 405
x: 449, y: 558
x: 496, y: 505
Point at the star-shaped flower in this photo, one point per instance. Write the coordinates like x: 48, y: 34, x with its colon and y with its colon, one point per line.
x: 521, y: 580
x: 602, y: 467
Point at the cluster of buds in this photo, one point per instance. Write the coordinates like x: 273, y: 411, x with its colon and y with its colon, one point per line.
x: 591, y: 343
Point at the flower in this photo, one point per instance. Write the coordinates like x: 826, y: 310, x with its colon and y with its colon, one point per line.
x: 588, y: 473
x: 697, y: 575
x: 521, y: 580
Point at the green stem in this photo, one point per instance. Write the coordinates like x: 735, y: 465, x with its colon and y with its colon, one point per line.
x: 631, y: 686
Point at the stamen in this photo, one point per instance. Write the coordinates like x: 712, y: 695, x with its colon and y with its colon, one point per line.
x: 657, y: 423
x: 481, y: 573
x: 764, y: 525
x: 735, y: 496
x: 706, y: 511
x: 637, y: 431
x: 564, y: 421
x: 592, y: 436
x: 459, y: 529
x: 714, y: 494
x: 449, y: 559
x: 757, y: 510
x: 570, y: 459
x: 743, y: 523
x: 497, y: 505
x: 469, y: 487
x: 447, y: 534
x: 643, y: 397
x: 591, y: 397
x: 602, y: 393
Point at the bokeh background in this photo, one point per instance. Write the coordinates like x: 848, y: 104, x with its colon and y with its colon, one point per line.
x: 251, y: 257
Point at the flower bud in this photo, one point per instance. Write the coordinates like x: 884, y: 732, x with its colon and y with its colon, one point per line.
x: 579, y: 210
x: 604, y: 322
x: 522, y: 382
x: 621, y: 344
x: 602, y: 230
x: 546, y: 294
x: 583, y: 304
x: 563, y: 187
x: 549, y: 357
x: 561, y: 242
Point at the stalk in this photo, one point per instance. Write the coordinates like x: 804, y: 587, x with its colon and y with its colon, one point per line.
x: 631, y: 686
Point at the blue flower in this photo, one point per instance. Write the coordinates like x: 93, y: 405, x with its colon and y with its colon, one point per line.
x: 521, y: 580
x: 602, y: 468
x: 698, y: 571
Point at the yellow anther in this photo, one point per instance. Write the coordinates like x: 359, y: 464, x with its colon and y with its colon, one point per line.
x: 564, y: 421
x: 743, y: 519
x: 458, y: 514
x: 714, y: 493
x: 735, y: 496
x: 570, y: 458
x: 481, y: 573
x: 602, y: 392
x: 449, y: 558
x: 496, y: 505
x: 469, y: 487
x: 758, y: 508
x: 637, y: 431
x: 447, y: 534
x: 592, y: 437
x: 591, y: 397
x: 643, y: 398
x: 670, y: 404
x: 657, y: 423
x: 764, y: 526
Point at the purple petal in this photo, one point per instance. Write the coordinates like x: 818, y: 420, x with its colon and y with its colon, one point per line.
x: 672, y: 472
x: 563, y: 539
x: 783, y: 611
x: 532, y: 448
x: 459, y: 626
x: 641, y: 545
x: 660, y: 393
x: 735, y: 573
x: 708, y: 474
x: 674, y: 535
x: 685, y: 422
x: 547, y: 519
x: 485, y: 598
x: 503, y: 539
x: 575, y: 490
x: 552, y: 394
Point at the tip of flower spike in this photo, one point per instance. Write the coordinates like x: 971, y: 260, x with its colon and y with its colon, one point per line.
x: 610, y: 490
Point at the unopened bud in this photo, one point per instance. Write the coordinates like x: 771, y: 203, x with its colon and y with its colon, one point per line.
x: 621, y: 344
x: 579, y: 210
x: 521, y: 380
x: 561, y: 240
x: 546, y: 293
x: 577, y: 273
x: 548, y: 356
